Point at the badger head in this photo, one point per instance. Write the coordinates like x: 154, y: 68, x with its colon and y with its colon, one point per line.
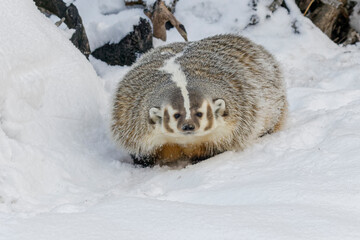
x: 184, y: 120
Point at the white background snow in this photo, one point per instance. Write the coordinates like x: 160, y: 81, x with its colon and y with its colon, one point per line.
x: 62, y: 177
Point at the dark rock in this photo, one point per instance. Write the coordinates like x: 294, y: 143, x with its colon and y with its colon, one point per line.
x: 56, y: 7
x: 127, y: 50
x: 79, y: 38
x: 332, y: 17
x: 72, y: 20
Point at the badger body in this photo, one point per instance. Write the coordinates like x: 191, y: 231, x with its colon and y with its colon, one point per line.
x: 185, y: 102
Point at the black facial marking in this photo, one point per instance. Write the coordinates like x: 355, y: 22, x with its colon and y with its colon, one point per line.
x: 210, y: 117
x: 166, y: 121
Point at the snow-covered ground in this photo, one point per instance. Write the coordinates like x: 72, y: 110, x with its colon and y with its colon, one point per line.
x: 62, y: 177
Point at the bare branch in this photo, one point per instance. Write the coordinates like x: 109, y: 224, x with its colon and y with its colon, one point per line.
x: 159, y: 16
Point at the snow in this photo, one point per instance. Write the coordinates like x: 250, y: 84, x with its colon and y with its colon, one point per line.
x: 355, y: 17
x: 107, y: 21
x: 62, y: 177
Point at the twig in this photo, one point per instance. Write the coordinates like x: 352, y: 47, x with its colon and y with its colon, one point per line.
x: 159, y: 16
x: 58, y: 23
x: 308, y: 7
x: 275, y: 4
x: 133, y: 3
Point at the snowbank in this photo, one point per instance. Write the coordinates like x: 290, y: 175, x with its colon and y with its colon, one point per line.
x: 53, y: 110
x: 60, y: 174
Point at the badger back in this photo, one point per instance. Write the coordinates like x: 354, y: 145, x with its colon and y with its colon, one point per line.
x: 242, y: 73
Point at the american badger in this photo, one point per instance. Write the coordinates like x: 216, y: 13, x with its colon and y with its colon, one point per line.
x: 185, y: 102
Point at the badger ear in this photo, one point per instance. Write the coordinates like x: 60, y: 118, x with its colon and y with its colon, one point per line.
x: 155, y: 115
x: 219, y: 108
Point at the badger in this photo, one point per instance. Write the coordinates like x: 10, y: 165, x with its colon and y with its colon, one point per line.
x: 185, y: 102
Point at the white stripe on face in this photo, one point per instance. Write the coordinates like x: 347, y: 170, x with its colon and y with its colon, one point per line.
x: 179, y: 78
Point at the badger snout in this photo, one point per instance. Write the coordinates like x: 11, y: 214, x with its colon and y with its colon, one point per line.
x: 188, y: 127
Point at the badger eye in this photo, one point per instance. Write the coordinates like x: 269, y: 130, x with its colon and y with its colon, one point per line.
x: 177, y: 115
x: 199, y: 114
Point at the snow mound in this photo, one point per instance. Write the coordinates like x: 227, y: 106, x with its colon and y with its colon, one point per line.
x: 53, y: 109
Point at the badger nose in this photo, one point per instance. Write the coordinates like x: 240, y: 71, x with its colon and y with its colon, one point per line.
x: 188, y: 127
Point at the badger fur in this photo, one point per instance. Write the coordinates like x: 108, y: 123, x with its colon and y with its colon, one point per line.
x: 185, y: 102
